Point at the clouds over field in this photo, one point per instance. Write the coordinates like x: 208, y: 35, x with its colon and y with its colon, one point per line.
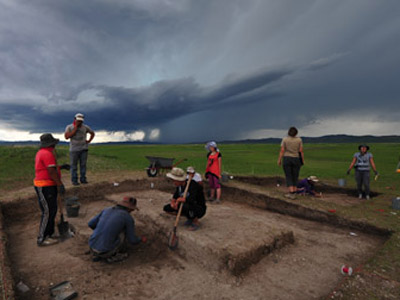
x: 179, y: 71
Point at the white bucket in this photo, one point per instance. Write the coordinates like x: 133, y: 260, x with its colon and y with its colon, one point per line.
x: 342, y: 182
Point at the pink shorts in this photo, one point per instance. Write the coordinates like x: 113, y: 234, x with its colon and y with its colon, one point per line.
x: 214, y: 182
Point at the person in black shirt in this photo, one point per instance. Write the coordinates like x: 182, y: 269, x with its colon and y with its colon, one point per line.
x: 194, y: 206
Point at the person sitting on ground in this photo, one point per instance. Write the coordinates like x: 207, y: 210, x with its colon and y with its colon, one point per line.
x: 112, y: 227
x: 196, y: 176
x: 194, y: 206
x: 362, y: 161
x: 306, y: 186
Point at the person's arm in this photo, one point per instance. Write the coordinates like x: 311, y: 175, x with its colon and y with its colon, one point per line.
x: 281, y: 155
x: 302, y: 153
x: 93, y: 222
x: 353, y: 162
x: 69, y: 134
x: 220, y: 166
x: 371, y: 160
x: 130, y: 231
x: 91, y: 132
x: 54, y: 175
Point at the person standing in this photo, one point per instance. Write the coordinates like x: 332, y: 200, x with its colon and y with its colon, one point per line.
x: 213, y: 171
x: 293, y: 158
x: 47, y: 185
x: 362, y: 161
x: 79, y: 145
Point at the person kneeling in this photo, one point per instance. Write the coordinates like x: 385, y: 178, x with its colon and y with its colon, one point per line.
x: 194, y: 206
x: 306, y: 186
x: 112, y: 227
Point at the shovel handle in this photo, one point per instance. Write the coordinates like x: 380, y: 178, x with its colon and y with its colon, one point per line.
x: 181, y: 204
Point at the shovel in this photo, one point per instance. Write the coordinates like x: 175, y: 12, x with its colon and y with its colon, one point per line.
x: 173, y: 237
x: 63, y: 226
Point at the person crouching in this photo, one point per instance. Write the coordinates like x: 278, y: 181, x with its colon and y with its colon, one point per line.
x: 194, y: 206
x: 112, y: 228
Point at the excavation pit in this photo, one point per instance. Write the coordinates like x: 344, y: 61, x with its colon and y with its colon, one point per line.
x: 240, y: 252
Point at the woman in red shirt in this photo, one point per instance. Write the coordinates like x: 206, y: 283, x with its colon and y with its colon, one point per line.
x: 213, y: 171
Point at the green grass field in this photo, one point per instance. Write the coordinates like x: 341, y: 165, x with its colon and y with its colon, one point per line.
x: 327, y: 161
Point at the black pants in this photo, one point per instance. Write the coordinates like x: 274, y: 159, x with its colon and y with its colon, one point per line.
x: 291, y: 167
x: 189, y: 211
x: 362, y: 179
x: 47, y: 197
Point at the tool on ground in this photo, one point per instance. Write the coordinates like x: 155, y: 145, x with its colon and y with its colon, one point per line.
x: 173, y: 237
x: 63, y: 291
x: 63, y: 226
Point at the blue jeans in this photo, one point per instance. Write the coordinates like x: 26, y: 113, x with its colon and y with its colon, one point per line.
x: 81, y: 157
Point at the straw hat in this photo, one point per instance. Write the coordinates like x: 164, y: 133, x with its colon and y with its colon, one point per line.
x: 177, y: 174
x: 128, y: 202
x: 313, y: 178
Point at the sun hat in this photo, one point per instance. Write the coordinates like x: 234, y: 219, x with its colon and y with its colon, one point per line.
x: 79, y: 117
x: 177, y: 174
x: 211, y: 144
x: 363, y: 145
x: 312, y: 178
x: 47, y: 140
x: 190, y: 170
x: 128, y: 202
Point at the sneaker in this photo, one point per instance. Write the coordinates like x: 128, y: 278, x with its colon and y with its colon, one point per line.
x: 48, y: 241
x: 217, y: 201
x: 211, y: 199
x: 367, y: 197
x: 194, y: 227
x: 188, y: 223
x: 117, y: 257
x: 75, y: 183
x: 84, y: 181
x: 360, y: 196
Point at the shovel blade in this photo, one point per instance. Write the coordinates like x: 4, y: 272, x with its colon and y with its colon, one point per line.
x: 63, y: 229
x: 173, y: 241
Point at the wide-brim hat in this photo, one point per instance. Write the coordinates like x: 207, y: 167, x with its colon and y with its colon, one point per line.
x: 79, y: 117
x: 177, y: 174
x: 47, y: 140
x: 128, y: 202
x: 363, y: 145
x: 313, y: 178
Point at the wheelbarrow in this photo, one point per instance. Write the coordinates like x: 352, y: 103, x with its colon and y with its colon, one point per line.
x: 158, y: 164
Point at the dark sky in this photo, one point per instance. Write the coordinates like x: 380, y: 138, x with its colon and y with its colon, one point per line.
x: 182, y: 71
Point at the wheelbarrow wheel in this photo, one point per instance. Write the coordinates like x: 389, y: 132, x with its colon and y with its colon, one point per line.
x: 151, y: 171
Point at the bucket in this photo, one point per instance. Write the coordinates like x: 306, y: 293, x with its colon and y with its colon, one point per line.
x: 71, y: 200
x: 342, y: 182
x: 73, y: 210
x: 224, y: 177
x: 396, y: 203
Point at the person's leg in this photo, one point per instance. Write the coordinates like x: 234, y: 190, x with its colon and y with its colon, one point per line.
x: 295, y: 173
x: 288, y: 172
x: 212, y: 187
x: 47, y: 198
x: 82, y: 165
x: 366, y: 176
x: 359, y: 181
x: 74, y: 156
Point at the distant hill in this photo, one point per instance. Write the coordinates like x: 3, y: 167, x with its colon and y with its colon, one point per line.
x: 333, y: 139
x: 339, y: 138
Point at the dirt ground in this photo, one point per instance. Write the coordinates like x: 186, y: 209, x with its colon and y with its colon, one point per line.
x: 240, y: 251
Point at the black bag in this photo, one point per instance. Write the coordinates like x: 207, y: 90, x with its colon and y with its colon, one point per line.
x: 301, y: 159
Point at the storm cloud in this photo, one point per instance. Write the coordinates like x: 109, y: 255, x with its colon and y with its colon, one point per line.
x: 196, y: 71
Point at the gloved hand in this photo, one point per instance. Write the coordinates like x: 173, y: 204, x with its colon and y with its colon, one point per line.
x: 61, y: 189
x: 348, y: 172
x: 65, y: 167
x: 376, y: 173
